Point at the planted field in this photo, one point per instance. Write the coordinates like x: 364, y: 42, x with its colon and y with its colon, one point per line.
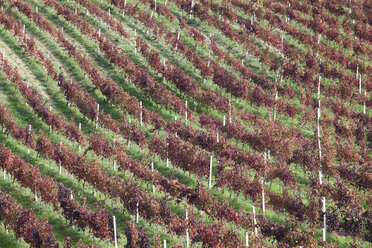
x: 185, y: 123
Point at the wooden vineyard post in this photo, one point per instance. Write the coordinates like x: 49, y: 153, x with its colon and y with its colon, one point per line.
x: 255, y: 221
x: 210, y: 172
x: 97, y: 115
x: 187, y: 229
x: 115, y: 238
x: 152, y: 170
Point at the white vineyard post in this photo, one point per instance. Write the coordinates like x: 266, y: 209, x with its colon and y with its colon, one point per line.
x: 320, y: 77
x: 115, y: 238
x: 166, y: 1
x: 71, y: 196
x: 357, y: 71
x: 35, y: 195
x: 246, y: 239
x: 167, y: 162
x: 320, y: 177
x: 79, y: 130
x: 109, y: 12
x: 152, y: 170
x: 186, y: 112
x: 125, y: 3
x: 276, y: 99
x: 364, y: 105
x: 141, y: 112
x: 60, y: 167
x: 230, y: 110
x: 324, y: 220
x: 224, y: 120
x: 137, y: 215
x: 165, y: 243
x: 99, y: 32
x: 218, y: 139
x: 75, y: 11
x: 115, y: 165
x: 210, y: 172
x: 130, y: 120
x: 3, y: 63
x: 97, y: 115
x: 192, y: 6
x: 255, y: 221
x: 187, y: 229
x: 29, y: 131
x: 360, y: 84
x: 164, y: 64
x: 4, y: 173
x: 135, y: 41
